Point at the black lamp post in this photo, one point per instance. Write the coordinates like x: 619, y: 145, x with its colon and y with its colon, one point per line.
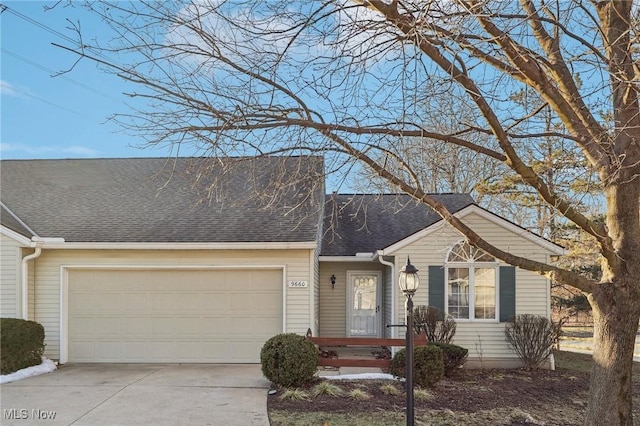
x: 409, y: 283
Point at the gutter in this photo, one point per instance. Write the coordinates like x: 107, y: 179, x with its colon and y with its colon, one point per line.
x: 60, y: 243
x: 25, y: 281
x: 37, y: 243
x: 392, y: 265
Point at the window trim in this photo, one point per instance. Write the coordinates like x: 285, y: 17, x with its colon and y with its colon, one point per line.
x: 472, y: 266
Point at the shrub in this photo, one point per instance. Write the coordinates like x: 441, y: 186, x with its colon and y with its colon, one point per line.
x: 289, y: 359
x: 21, y: 344
x: 454, y: 357
x: 428, y: 365
x: 433, y: 322
x: 531, y: 337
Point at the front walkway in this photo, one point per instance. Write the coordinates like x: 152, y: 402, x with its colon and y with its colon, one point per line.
x: 139, y: 394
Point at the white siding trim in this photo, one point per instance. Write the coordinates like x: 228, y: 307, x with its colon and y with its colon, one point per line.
x: 19, y: 238
x: 551, y: 247
x: 284, y: 298
x: 312, y: 292
x: 64, y: 290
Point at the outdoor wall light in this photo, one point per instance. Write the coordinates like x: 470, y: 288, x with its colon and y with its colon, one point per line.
x: 333, y: 281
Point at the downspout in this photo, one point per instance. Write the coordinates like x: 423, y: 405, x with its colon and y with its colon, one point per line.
x: 393, y: 287
x: 25, y: 280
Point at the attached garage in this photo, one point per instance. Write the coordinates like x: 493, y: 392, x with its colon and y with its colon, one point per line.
x: 172, y: 315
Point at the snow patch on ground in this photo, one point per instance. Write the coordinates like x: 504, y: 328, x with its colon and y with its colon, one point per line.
x: 47, y: 366
x: 362, y: 376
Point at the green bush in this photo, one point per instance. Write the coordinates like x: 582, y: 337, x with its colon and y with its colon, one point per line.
x: 454, y: 357
x: 428, y: 365
x: 289, y: 359
x: 21, y: 344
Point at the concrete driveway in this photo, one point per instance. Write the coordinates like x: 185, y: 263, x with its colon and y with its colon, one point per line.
x: 138, y: 394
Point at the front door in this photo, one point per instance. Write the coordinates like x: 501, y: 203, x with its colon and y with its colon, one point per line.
x: 363, y: 305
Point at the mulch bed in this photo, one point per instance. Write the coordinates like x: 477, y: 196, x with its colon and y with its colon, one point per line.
x: 470, y: 391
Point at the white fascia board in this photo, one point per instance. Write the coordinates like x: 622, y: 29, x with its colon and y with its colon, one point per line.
x: 19, y: 238
x: 548, y: 245
x: 345, y: 259
x: 303, y: 245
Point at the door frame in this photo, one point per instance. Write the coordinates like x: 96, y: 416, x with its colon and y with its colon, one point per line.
x: 349, y: 301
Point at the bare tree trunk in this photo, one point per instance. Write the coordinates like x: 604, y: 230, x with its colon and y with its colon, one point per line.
x: 616, y: 308
x: 615, y: 321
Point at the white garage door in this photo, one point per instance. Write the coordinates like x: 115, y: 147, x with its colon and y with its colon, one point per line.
x: 218, y: 316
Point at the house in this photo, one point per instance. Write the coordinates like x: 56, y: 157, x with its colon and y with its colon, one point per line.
x: 156, y: 260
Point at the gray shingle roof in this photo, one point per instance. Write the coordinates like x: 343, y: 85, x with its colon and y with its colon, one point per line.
x: 155, y: 200
x: 8, y: 219
x: 365, y: 223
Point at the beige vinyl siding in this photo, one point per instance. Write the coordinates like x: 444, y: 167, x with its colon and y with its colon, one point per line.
x: 388, y: 289
x: 482, y: 339
x: 10, y: 277
x: 333, y: 302
x: 49, y: 267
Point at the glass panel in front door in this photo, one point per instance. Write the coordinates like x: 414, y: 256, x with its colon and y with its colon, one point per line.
x: 364, y: 305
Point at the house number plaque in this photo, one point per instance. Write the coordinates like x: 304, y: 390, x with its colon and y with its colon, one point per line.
x: 298, y: 284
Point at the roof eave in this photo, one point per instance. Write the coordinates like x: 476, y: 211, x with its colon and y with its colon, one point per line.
x: 16, y: 236
x: 299, y: 245
x: 357, y: 258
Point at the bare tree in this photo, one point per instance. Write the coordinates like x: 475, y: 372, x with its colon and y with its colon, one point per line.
x: 347, y: 78
x: 438, y: 167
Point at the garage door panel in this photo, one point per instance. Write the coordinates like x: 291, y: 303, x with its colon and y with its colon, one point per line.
x: 134, y: 302
x: 172, y: 316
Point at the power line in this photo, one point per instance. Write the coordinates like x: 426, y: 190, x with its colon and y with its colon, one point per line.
x: 38, y: 98
x: 52, y: 72
x: 37, y: 23
x: 54, y: 32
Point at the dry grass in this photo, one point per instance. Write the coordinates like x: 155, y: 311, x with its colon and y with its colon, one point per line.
x: 390, y: 389
x: 359, y: 394
x: 327, y: 388
x: 420, y: 394
x: 295, y: 395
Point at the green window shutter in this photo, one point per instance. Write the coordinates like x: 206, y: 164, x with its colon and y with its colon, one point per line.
x: 436, y: 287
x: 507, y: 292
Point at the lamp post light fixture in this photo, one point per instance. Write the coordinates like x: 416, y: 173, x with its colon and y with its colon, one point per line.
x: 409, y: 283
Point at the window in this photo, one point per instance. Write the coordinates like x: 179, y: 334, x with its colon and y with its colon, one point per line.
x: 471, y: 283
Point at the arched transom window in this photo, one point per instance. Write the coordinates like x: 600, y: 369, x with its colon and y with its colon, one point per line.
x: 471, y: 276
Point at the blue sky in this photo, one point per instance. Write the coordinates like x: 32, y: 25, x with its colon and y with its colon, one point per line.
x: 56, y: 117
